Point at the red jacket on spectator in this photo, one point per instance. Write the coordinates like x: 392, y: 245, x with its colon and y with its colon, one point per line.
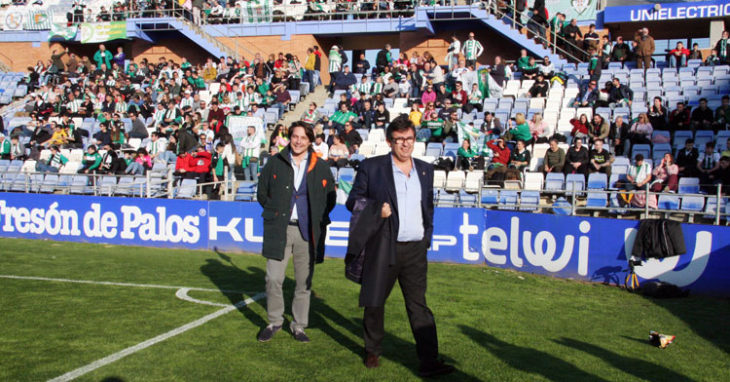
x: 501, y: 155
x: 459, y: 97
x: 578, y: 127
x: 682, y: 52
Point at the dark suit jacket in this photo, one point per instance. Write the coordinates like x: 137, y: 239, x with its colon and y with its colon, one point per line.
x: 374, y: 181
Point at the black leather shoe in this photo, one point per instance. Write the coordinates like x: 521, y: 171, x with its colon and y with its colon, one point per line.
x: 267, y: 333
x: 372, y: 360
x: 434, y: 368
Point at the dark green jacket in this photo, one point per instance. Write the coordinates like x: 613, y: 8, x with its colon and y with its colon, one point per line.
x: 275, y: 188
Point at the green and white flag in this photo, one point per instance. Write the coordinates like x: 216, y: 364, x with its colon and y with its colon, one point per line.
x: 38, y: 20
x: 63, y: 31
x: 257, y: 11
x: 483, y: 76
x: 101, y: 32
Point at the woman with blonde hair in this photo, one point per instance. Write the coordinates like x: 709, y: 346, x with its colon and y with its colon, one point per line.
x: 640, y: 132
x: 539, y: 129
x: 519, y: 130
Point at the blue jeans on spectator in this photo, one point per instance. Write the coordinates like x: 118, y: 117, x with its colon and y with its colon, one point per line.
x: 134, y: 168
x: 316, y: 79
x: 673, y: 61
x: 250, y: 172
x: 281, y: 107
x: 168, y: 157
x: 45, y: 167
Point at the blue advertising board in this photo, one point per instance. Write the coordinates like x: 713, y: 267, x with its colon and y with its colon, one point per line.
x: 589, y: 249
x: 666, y: 11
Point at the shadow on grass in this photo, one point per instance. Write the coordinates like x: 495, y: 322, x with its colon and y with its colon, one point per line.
x: 229, y: 277
x: 637, y: 367
x: 395, y: 348
x: 529, y: 360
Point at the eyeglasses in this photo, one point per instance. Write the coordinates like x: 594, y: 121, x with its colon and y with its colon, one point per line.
x: 402, y: 140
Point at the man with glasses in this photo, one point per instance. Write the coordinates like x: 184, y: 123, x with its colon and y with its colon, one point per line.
x: 588, y: 96
x: 404, y: 187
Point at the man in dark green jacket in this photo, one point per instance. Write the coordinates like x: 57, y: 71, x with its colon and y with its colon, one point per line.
x: 297, y: 192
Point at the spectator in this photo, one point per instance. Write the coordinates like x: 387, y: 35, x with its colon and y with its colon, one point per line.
x: 119, y: 58
x: 362, y: 66
x: 492, y: 124
x: 554, y: 160
x: 311, y: 116
x: 658, y: 114
x: 712, y: 59
x: 639, y: 174
x: 391, y: 89
x: 5, y: 147
x: 540, y: 87
x: 605, y: 51
x: 600, y: 159
x: 687, y: 159
x: 452, y: 53
x: 475, y: 100
x: 345, y: 79
x: 702, y: 117
x: 91, y: 161
x: 467, y: 156
x: 338, y: 153
x: 557, y: 23
x: 471, y: 49
x: 335, y: 65
x: 547, y: 68
x: 641, y: 130
x: 250, y: 154
x: 539, y: 129
x: 678, y: 56
x: 708, y: 162
x: 279, y: 137
x: 429, y: 95
x: 530, y: 70
x: 520, y: 131
x: 644, y: 48
x: 666, y: 173
x: 520, y: 156
x: 415, y: 115
x: 382, y: 117
x: 383, y: 59
x: 352, y: 138
x: 722, y: 114
x: 141, y: 163
x: 320, y: 147
x: 721, y: 47
x: 580, y: 127
x: 598, y: 128
x: 501, y: 154
x: 498, y: 71
x: 577, y: 159
x: 54, y: 162
x: 591, y: 40
x: 572, y: 36
x: 587, y: 96
x: 620, y: 94
x: 679, y: 118
x: 103, y: 57
x: 695, y: 54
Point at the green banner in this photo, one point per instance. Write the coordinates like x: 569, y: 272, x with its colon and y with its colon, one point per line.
x: 581, y: 10
x: 38, y: 20
x: 257, y: 11
x: 63, y: 31
x: 100, y: 32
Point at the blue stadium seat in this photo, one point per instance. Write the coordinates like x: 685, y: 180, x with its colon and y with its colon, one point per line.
x: 597, y: 199
x: 529, y: 200
x: 246, y: 191
x: 680, y: 136
x: 554, y: 181
x: 643, y: 149
x: 668, y: 202
x: 659, y: 150
x: 451, y: 148
x: 490, y: 196
x: 575, y: 182
x: 434, y: 149
x: 467, y: 199
x: 693, y: 203
x: 689, y: 185
x: 448, y: 198
x: 597, y: 181
x: 334, y: 172
x: 508, y: 200
x: 187, y: 189
x: 50, y: 182
x: 615, y: 178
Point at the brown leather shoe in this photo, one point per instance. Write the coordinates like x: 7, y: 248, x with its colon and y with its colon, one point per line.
x: 372, y: 360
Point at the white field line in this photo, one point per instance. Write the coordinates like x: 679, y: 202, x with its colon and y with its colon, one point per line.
x: 143, y: 345
x: 113, y: 283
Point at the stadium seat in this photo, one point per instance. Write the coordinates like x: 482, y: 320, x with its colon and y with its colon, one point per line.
x: 187, y: 189
x: 50, y: 182
x: 439, y: 179
x: 680, y: 136
x: 597, y: 181
x: 529, y: 200
x: 455, y: 180
x: 448, y: 198
x: 533, y: 181
x: 554, y: 181
x: 467, y: 199
x: 347, y: 174
x: 643, y: 149
x: 575, y: 182
x: 693, y: 203
x: 246, y: 191
x: 689, y: 185
x: 508, y: 200
x: 597, y: 199
x: 659, y: 150
x: 473, y: 182
x: 668, y: 202
x: 711, y: 207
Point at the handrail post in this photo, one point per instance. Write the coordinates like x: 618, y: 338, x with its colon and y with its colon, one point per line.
x: 170, y: 188
x: 572, y: 205
x: 646, y: 202
x: 717, y: 208
x: 514, y: 16
x: 149, y: 187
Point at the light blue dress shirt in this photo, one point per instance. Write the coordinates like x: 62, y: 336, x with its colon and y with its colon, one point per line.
x: 299, y: 172
x: 410, y: 214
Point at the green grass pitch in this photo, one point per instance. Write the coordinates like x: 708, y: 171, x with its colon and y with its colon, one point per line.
x: 493, y: 324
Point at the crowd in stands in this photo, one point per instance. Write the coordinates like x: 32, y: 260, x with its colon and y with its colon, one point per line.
x: 467, y: 112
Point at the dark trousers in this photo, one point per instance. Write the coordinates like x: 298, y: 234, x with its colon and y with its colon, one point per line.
x: 410, y: 271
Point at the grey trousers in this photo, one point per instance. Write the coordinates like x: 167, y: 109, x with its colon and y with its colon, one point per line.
x: 298, y: 250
